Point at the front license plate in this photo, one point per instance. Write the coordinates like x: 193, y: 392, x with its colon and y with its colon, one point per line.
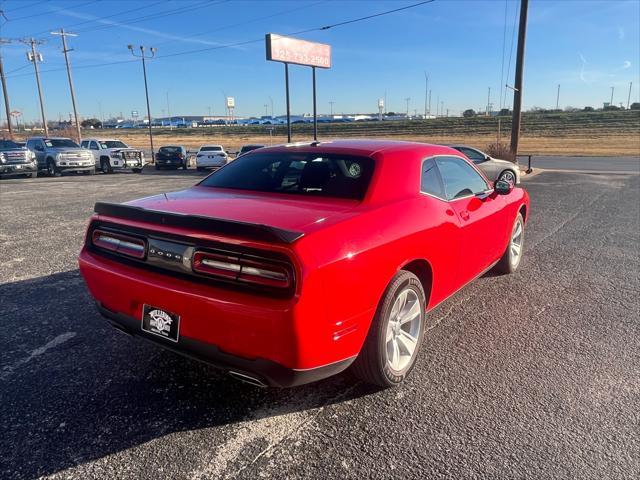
x: 160, y: 322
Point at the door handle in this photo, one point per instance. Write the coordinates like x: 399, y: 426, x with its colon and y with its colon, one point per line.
x: 464, y: 215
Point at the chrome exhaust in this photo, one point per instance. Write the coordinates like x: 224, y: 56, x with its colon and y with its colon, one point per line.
x: 248, y: 379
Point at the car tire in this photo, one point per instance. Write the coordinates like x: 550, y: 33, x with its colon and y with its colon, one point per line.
x: 105, y: 166
x: 157, y: 167
x: 33, y: 174
x: 52, y: 170
x: 136, y: 170
x: 508, y: 176
x: 512, y: 256
x: 184, y: 165
x: 91, y: 171
x: 381, y: 362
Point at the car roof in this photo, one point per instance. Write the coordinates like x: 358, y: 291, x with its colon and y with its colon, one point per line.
x: 50, y: 138
x: 365, y: 147
x: 211, y: 145
x: 102, y: 139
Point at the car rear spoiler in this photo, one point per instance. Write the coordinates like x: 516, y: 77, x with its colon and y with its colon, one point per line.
x: 253, y: 231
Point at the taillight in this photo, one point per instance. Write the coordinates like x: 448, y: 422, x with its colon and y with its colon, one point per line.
x: 118, y: 243
x: 250, y: 270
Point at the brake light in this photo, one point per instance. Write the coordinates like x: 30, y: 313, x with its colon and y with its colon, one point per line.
x: 118, y: 243
x: 256, y: 271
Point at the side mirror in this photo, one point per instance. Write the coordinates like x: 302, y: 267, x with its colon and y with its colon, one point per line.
x: 502, y: 188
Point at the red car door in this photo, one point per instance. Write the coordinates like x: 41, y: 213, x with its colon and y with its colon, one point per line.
x: 481, y: 215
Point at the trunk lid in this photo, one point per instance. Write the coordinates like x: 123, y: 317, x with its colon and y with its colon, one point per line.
x: 284, y: 211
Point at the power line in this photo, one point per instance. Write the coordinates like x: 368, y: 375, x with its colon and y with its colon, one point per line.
x: 153, y: 16
x: 315, y: 29
x: 31, y: 5
x: 240, y: 24
x: 109, y: 16
x: 513, y: 34
x: 49, y: 12
x: 504, y: 45
x: 241, y: 43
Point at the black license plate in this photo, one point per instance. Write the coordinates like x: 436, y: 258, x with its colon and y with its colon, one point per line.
x: 160, y: 322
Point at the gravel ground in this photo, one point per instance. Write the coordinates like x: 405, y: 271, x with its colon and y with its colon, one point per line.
x: 533, y: 375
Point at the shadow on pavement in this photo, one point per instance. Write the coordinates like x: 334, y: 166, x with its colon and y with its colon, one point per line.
x: 73, y: 389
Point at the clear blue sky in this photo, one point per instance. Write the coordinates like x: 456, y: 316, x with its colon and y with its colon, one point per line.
x: 586, y: 46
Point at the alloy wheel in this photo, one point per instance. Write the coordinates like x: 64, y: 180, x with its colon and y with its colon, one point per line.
x: 403, y: 330
x: 517, y: 238
x: 508, y: 176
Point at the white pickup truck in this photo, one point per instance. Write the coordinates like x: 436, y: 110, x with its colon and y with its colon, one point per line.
x: 111, y: 154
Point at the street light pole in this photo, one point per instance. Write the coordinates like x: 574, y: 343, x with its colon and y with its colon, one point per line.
x: 65, y: 50
x: 146, y: 88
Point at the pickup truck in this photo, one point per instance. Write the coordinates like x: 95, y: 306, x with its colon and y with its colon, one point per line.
x: 111, y: 154
x: 56, y: 155
x: 16, y: 160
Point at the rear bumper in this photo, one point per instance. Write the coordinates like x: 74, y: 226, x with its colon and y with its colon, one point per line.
x: 266, y: 372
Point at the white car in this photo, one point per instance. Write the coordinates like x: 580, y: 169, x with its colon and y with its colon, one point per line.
x: 211, y: 156
x: 494, y: 168
x: 111, y: 154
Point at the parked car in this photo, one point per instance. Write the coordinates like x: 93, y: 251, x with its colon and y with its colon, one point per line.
x: 56, y: 155
x: 111, y: 154
x: 493, y: 168
x: 211, y: 156
x: 248, y: 148
x: 16, y: 160
x: 295, y: 262
x: 171, y: 156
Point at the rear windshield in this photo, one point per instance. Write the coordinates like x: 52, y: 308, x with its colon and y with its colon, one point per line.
x: 248, y: 148
x: 8, y: 144
x: 60, y: 143
x: 308, y: 174
x: 113, y: 144
x: 211, y: 149
x: 170, y: 149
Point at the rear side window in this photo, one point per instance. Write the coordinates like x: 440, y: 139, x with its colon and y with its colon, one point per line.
x: 459, y: 178
x: 308, y: 174
x: 430, y: 180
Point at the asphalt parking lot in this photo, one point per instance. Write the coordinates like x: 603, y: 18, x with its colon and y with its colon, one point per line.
x: 533, y: 375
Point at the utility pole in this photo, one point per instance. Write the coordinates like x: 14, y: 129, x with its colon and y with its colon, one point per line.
x: 628, y: 97
x: 429, y: 110
x: 331, y: 104
x: 271, y: 102
x: 437, y: 105
x: 146, y: 88
x: 488, y: 101
x: 266, y: 109
x: 168, y: 113
x: 35, y: 57
x: 407, y: 100
x: 558, y: 98
x: 65, y: 50
x: 611, y: 101
x: 517, y: 88
x: 426, y: 93
x: 6, y: 93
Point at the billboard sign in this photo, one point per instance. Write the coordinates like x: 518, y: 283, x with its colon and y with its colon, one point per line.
x: 301, y: 52
x: 231, y: 102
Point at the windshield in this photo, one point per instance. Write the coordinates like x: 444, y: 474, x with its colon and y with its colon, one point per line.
x: 8, y: 144
x: 170, y: 149
x: 310, y: 174
x: 113, y: 144
x: 213, y: 148
x: 60, y: 143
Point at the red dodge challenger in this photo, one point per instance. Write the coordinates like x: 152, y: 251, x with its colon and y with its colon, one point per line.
x: 294, y: 262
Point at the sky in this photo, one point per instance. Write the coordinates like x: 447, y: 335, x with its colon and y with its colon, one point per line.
x: 464, y: 46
